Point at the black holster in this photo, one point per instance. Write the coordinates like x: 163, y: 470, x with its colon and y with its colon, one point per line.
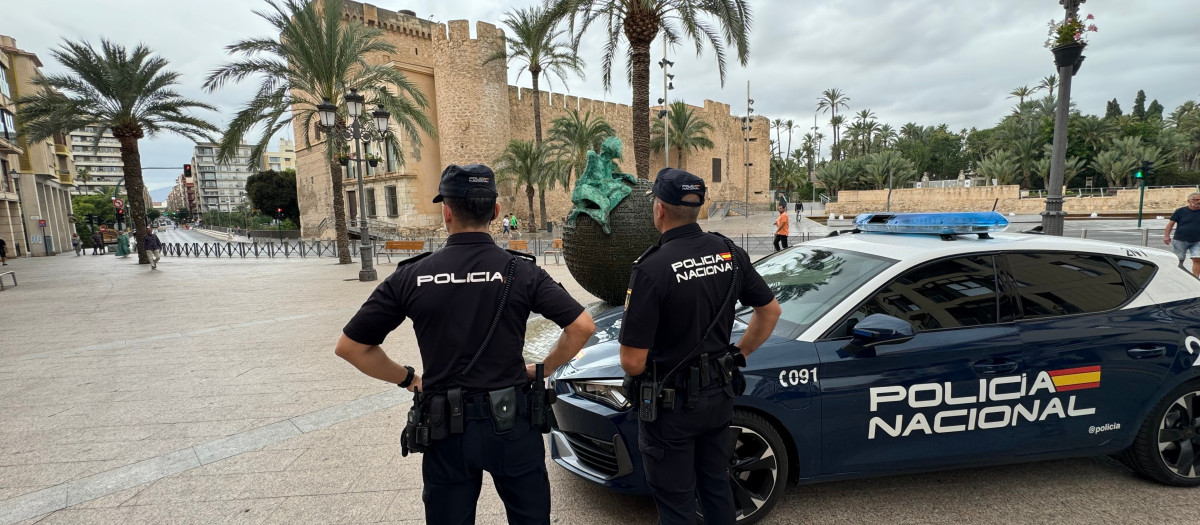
x: 540, y: 399
x: 416, y: 436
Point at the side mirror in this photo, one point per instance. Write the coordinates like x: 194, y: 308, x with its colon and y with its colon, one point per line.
x: 875, y: 330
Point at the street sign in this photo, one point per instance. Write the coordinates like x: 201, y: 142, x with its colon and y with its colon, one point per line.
x: 118, y: 203
x: 41, y: 223
x: 102, y: 228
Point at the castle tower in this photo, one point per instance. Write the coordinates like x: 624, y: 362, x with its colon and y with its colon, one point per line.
x: 473, y: 108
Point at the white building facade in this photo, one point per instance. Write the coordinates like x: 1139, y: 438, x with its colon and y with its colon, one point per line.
x: 220, y: 187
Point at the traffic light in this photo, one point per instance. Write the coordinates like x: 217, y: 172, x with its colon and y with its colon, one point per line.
x: 1146, y: 170
x: 187, y: 170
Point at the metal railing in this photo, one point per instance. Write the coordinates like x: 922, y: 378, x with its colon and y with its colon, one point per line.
x: 1149, y: 237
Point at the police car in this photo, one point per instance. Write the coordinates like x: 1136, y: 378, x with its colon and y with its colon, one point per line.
x: 930, y: 341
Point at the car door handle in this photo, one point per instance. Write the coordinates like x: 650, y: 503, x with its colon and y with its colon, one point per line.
x: 1146, y: 352
x: 995, y: 366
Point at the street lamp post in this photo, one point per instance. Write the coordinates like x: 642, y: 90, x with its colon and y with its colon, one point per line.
x: 746, y: 128
x: 1052, y: 218
x: 362, y: 131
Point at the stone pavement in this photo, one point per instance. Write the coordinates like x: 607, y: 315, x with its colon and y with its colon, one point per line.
x: 206, y: 391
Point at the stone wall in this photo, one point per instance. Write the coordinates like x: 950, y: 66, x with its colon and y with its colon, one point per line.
x: 1006, y: 199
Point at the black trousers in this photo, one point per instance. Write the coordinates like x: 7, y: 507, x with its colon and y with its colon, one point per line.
x: 453, y: 469
x: 780, y: 239
x: 686, y: 454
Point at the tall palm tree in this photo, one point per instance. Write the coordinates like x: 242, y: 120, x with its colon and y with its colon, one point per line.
x: 829, y: 102
x: 530, y: 164
x: 1021, y: 93
x: 573, y: 135
x: 689, y: 132
x: 1049, y: 83
x: 869, y: 128
x: 791, y: 127
x: 534, y: 44
x: 639, y: 22
x: 886, y: 135
x: 315, y: 57
x: 113, y: 88
x: 777, y: 125
x: 911, y: 131
x: 835, y: 151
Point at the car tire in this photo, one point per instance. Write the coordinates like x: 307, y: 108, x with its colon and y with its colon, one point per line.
x: 759, y: 468
x: 1175, y: 422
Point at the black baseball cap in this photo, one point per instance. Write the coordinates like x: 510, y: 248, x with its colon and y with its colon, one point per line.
x: 672, y: 184
x: 461, y: 182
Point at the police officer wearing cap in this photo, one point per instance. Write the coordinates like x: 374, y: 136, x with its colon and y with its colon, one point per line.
x: 469, y: 303
x: 675, y: 336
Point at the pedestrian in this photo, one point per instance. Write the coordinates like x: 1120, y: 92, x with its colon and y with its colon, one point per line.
x: 799, y: 210
x: 513, y: 225
x: 684, y: 374
x: 469, y: 303
x: 123, y: 245
x: 153, y: 248
x: 3, y: 253
x: 506, y: 223
x: 1187, y: 237
x: 76, y: 243
x: 97, y: 242
x: 781, y: 229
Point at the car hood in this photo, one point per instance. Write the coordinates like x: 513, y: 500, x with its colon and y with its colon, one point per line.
x: 601, y: 356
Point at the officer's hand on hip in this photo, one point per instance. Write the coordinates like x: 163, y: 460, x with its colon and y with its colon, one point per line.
x: 531, y: 371
x: 416, y: 383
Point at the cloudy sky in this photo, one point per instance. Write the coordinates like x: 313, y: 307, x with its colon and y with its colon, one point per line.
x: 924, y: 61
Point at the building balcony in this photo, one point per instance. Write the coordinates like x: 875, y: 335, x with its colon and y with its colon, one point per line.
x: 64, y: 177
x: 62, y: 149
x: 9, y: 148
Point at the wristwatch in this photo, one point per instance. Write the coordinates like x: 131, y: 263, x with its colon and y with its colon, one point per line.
x: 412, y: 374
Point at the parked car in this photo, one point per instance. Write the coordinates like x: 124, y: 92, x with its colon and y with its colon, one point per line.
x: 900, y: 353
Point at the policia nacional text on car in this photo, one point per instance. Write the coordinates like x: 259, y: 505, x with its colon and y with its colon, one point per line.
x: 469, y: 303
x: 683, y: 373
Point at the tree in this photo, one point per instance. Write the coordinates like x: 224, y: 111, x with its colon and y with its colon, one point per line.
x: 777, y: 125
x: 573, y: 135
x: 1112, y: 109
x: 791, y: 127
x: 1000, y: 166
x: 1114, y: 166
x: 114, y: 88
x: 689, y: 132
x: 312, y: 58
x: 83, y: 174
x: 886, y: 136
x: 639, y: 22
x: 836, y: 175
x: 534, y: 45
x: 1021, y: 93
x: 829, y: 102
x: 1139, y: 105
x: 530, y: 164
x: 271, y: 190
x: 888, y: 167
x: 1049, y: 83
x: 153, y: 214
x: 1155, y: 110
x: 182, y: 215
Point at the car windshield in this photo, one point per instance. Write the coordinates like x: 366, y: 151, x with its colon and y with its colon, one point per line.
x: 809, y: 280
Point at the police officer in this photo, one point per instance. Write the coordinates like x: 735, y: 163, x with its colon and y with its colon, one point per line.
x: 470, y: 334
x: 675, y: 333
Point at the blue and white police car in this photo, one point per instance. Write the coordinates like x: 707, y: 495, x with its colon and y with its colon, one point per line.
x: 952, y: 347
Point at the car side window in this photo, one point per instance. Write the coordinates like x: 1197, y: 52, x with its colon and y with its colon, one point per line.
x: 951, y: 293
x: 1054, y: 284
x: 1137, y: 271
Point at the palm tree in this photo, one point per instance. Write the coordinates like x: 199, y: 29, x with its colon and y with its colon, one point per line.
x: 836, y: 175
x: 315, y: 58
x: 911, y: 131
x: 791, y: 126
x: 689, y: 132
x: 113, y: 88
x: 535, y: 46
x: 1021, y: 93
x: 1000, y: 166
x: 1114, y: 166
x: 531, y: 164
x: 830, y: 101
x: 1048, y: 83
x: 639, y: 22
x: 1071, y: 168
x: 869, y: 130
x: 835, y: 151
x: 888, y: 167
x: 573, y: 135
x: 886, y: 135
x: 777, y: 125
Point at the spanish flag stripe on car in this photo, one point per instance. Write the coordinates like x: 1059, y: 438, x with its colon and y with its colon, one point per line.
x: 1076, y: 378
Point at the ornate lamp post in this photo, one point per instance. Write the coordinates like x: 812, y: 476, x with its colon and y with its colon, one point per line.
x: 365, y: 131
x: 1052, y: 218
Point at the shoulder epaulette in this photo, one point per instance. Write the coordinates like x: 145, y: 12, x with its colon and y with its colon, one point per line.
x: 648, y: 251
x: 413, y: 259
x: 527, y: 256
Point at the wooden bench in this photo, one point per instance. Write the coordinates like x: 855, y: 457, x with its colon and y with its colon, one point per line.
x: 408, y: 248
x: 555, y: 250
x: 10, y: 274
x: 519, y: 246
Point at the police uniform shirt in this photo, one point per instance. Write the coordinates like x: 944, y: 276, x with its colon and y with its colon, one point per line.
x: 677, y: 288
x: 451, y: 296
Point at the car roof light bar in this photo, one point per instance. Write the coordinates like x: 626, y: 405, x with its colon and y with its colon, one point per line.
x: 944, y: 224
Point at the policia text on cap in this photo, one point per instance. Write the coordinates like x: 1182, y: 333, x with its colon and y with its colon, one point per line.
x: 683, y: 373
x: 476, y: 410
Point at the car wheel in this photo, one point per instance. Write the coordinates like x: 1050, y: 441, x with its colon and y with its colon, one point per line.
x: 1167, y: 447
x: 759, y: 466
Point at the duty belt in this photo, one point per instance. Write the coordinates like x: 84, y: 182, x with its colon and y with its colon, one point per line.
x: 714, y: 368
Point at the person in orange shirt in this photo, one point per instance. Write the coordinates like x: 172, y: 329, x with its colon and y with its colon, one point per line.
x: 781, y: 229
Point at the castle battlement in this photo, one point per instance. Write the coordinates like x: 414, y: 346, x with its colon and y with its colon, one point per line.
x: 401, y: 22
x: 460, y: 31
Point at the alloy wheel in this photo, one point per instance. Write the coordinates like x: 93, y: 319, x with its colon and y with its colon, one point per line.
x: 754, y: 471
x: 1179, y: 436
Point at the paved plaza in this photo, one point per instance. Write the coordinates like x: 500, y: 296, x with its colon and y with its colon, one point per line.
x: 207, y: 392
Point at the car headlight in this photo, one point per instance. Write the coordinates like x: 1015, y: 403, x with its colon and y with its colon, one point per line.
x: 607, y: 392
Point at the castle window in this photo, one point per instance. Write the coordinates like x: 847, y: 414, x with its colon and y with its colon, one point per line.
x: 716, y: 170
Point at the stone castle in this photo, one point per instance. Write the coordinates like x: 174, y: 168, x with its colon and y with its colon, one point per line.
x: 476, y: 114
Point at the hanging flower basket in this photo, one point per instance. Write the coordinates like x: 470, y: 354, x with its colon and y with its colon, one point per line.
x: 344, y: 161
x: 372, y: 162
x: 1067, y: 55
x: 1078, y: 63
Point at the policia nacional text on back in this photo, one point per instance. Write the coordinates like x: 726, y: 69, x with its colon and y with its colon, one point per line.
x: 469, y: 303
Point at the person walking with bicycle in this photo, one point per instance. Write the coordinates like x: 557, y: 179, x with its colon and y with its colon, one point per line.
x: 476, y: 411
x: 681, y: 370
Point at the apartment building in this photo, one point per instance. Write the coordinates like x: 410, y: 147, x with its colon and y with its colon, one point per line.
x: 220, y: 187
x: 12, y: 228
x: 183, y: 196
x: 98, y: 166
x: 284, y: 159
